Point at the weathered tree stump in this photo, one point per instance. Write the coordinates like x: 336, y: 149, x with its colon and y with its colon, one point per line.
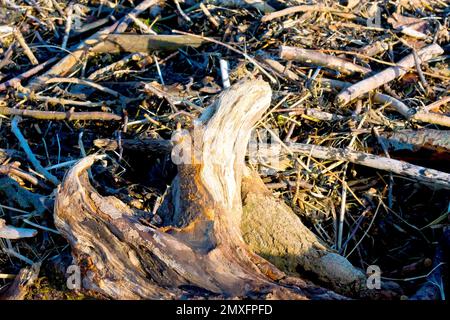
x: 200, y: 250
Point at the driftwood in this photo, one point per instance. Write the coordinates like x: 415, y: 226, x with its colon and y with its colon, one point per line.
x: 432, y: 117
x: 408, y: 113
x: 274, y: 231
x: 67, y: 64
x: 199, y: 248
x: 374, y: 48
x: 101, y: 72
x: 278, y: 68
x: 321, y: 59
x: 432, y: 177
x: 399, y: 106
x: 436, y: 140
x: 221, y: 230
x: 62, y: 101
x: 437, y: 104
x: 26, y: 49
x: 140, y: 43
x: 229, y: 47
x: 55, y: 115
x: 88, y: 83
x: 13, y: 170
x: 210, y: 17
x: 358, y: 89
x: 11, y: 232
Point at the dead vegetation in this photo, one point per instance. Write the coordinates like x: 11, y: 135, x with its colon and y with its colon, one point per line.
x: 224, y: 149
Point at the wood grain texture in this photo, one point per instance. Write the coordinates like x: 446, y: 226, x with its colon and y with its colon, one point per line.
x: 200, y: 249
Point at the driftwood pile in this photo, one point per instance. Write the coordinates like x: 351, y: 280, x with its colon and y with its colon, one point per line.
x: 224, y: 149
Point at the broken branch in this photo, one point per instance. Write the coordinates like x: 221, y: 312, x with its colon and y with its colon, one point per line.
x: 358, y: 89
x: 55, y: 115
x: 13, y: 233
x: 24, y: 144
x: 321, y: 59
x: 422, y: 174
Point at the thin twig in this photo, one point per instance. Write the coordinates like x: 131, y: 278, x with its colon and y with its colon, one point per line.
x: 34, y: 161
x: 27, y: 74
x: 26, y: 49
x: 86, y: 83
x: 210, y: 17
x: 68, y: 25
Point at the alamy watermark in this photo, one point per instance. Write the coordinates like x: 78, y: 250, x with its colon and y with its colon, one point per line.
x: 263, y: 149
x: 373, y: 277
x: 73, y: 281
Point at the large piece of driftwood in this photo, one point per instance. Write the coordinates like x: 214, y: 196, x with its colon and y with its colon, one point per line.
x: 199, y: 249
x: 358, y: 89
x: 321, y: 59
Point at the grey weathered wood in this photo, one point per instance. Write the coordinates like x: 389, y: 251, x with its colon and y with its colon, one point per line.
x: 200, y: 244
x: 11, y: 232
x: 141, y: 43
x: 387, y: 75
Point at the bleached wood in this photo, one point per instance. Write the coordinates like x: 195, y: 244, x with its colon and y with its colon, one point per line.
x: 324, y: 60
x: 13, y: 233
x: 358, y: 89
x: 432, y: 177
x: 200, y: 243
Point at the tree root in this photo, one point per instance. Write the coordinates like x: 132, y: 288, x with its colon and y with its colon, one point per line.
x: 200, y: 251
